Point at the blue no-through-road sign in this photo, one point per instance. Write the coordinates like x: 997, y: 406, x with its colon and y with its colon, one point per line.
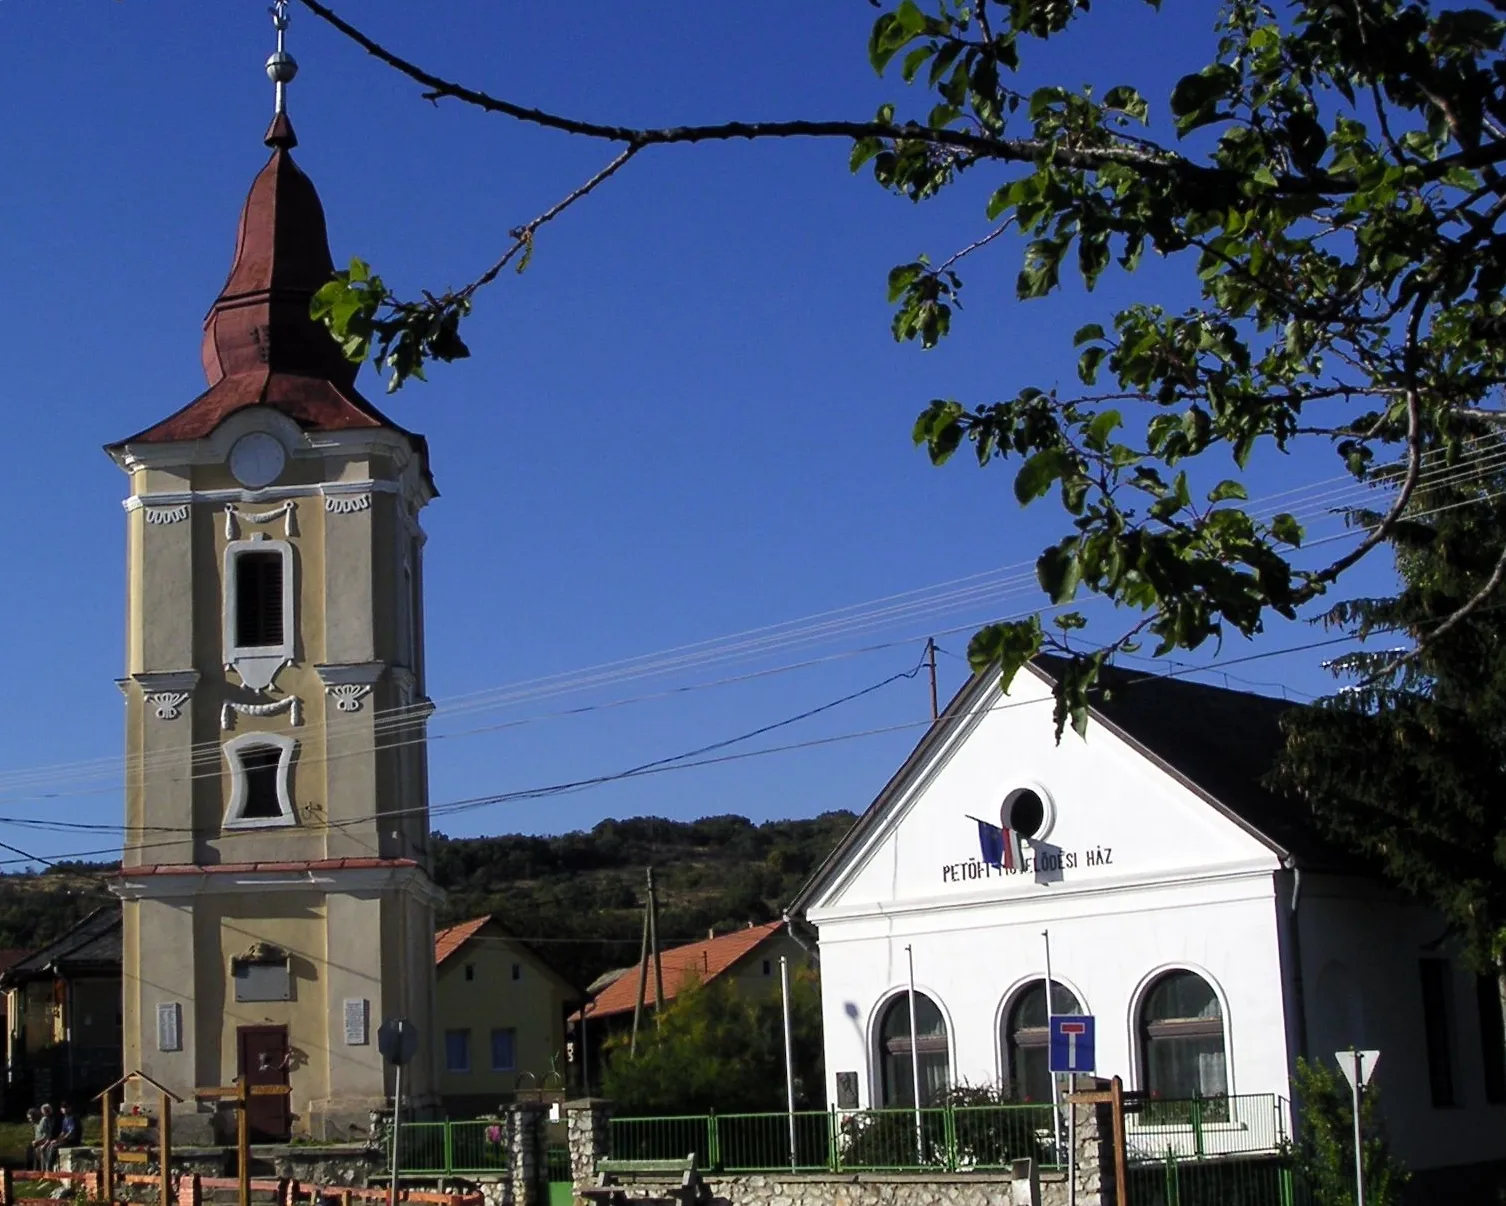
x: 1072, y: 1043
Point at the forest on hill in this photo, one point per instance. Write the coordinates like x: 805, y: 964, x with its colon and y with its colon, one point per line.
x: 576, y: 897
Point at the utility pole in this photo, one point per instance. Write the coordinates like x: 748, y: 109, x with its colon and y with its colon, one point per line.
x: 642, y: 981
x: 653, y: 940
x: 931, y: 662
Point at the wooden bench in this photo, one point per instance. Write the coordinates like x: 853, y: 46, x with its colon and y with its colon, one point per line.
x: 614, y: 1177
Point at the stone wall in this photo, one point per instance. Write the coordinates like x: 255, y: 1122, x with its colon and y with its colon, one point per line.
x: 864, y: 1189
x: 586, y: 1132
x: 1093, y: 1168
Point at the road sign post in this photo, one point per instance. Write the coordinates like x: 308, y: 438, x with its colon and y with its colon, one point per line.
x: 397, y: 1040
x: 1358, y: 1067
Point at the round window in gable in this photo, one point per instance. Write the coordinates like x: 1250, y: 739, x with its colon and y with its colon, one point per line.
x: 1030, y: 812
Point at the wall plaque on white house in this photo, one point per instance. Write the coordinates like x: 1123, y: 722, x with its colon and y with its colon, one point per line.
x: 357, y: 1011
x: 169, y: 1026
x: 847, y: 1090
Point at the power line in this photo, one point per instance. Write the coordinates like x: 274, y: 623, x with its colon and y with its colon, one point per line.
x: 973, y: 588
x: 211, y: 750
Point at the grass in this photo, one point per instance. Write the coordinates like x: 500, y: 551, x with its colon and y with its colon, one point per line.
x: 15, y: 1138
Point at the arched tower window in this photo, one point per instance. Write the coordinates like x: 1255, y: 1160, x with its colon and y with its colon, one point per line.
x: 896, y: 1070
x: 1181, y: 1029
x: 1025, y: 1040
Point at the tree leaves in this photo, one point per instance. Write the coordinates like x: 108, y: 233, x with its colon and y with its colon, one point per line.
x: 1339, y: 227
x: 367, y: 320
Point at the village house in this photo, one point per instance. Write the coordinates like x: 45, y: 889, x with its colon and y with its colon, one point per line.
x: 748, y: 958
x: 500, y: 1017
x: 62, y: 1014
x: 1202, y: 921
x: 275, y: 709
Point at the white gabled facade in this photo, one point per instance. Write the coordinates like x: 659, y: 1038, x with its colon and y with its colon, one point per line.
x: 1139, y: 874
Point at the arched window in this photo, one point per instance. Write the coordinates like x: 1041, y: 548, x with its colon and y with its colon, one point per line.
x: 1182, y: 1038
x: 895, y: 1068
x: 1026, y: 1039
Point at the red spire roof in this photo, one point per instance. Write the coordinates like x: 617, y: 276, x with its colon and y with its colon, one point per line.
x: 260, y: 345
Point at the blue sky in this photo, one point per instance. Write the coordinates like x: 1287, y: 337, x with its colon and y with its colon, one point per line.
x: 686, y: 420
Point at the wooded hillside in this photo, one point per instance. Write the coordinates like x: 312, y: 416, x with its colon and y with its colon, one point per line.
x: 576, y: 896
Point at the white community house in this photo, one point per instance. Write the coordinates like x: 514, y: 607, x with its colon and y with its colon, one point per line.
x: 1200, y: 919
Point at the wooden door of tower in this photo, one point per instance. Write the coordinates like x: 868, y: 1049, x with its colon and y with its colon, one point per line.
x: 262, y: 1058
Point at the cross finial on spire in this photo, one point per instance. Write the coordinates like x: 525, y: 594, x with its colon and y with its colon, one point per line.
x: 281, y: 67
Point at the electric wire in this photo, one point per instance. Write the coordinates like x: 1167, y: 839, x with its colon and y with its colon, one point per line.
x: 997, y: 589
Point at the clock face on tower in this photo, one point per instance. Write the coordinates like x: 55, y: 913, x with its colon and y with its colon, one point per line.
x: 257, y: 460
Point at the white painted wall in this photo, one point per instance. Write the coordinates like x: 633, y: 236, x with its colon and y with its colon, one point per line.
x: 1153, y: 877
x: 1360, y: 953
x: 1106, y: 947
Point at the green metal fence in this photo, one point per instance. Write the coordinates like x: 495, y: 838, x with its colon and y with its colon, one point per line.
x: 444, y: 1148
x: 940, y: 1140
x: 1197, y: 1128
x: 1220, y: 1151
x: 1220, y: 1181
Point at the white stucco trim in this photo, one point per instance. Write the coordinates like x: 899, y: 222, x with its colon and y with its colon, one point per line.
x: 258, y: 665
x: 167, y: 680
x: 233, y: 494
x: 234, y: 749
x: 362, y: 882
x: 215, y: 448
x: 1137, y: 1002
x: 349, y: 674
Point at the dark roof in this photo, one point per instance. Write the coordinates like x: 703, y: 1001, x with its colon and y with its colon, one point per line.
x: 1218, y: 742
x: 91, y: 945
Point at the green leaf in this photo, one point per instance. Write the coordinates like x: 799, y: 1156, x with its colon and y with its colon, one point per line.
x: 902, y: 277
x: 1008, y: 645
x: 1127, y: 101
x: 1088, y: 362
x: 1196, y: 92
x: 1037, y: 473
x: 1103, y: 425
x: 1060, y: 571
x: 1226, y: 490
x: 1084, y: 333
x: 1286, y: 529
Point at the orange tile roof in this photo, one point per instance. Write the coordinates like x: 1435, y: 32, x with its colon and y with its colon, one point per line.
x: 448, y: 941
x: 682, y: 965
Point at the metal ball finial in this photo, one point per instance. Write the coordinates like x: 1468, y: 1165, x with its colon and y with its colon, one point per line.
x: 282, y: 67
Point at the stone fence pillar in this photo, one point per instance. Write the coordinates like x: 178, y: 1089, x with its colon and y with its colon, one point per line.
x: 589, y: 1138
x: 525, y: 1137
x: 1095, y: 1145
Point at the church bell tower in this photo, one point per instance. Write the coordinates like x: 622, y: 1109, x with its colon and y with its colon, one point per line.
x: 275, y: 888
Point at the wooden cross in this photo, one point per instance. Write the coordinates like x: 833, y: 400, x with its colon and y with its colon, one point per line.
x: 238, y: 1097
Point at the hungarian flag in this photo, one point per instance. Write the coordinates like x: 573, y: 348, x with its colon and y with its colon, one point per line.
x: 1000, y: 847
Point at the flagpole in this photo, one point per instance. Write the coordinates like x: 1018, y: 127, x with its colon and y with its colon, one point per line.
x: 915, y: 1059
x: 1056, y: 1113
x: 789, y: 1053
